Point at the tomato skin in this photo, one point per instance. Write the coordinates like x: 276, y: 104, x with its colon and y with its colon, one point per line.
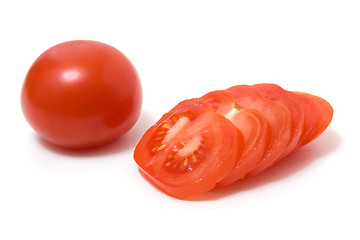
x: 81, y: 94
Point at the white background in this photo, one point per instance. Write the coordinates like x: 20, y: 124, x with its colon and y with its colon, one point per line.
x: 183, y: 49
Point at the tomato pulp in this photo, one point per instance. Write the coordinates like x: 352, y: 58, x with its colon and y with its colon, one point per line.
x: 81, y: 94
x: 291, y: 102
x: 319, y: 116
x: 278, y: 117
x: 189, y: 150
x: 253, y: 126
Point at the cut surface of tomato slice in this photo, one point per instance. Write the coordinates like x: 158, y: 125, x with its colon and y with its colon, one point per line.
x: 189, y: 150
x: 289, y: 100
x: 310, y: 118
x: 253, y: 126
x: 278, y: 117
x: 318, y: 117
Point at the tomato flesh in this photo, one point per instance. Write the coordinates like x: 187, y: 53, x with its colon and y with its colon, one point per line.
x: 253, y: 126
x: 276, y: 114
x: 189, y: 150
x: 318, y: 116
x: 289, y: 100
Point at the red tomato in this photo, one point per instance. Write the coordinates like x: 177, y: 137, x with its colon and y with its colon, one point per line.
x: 81, y: 94
x: 253, y: 126
x: 189, y: 150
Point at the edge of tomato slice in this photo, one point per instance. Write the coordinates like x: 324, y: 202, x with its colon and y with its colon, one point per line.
x: 253, y: 126
x: 278, y: 117
x: 319, y: 114
x: 189, y: 150
x: 289, y: 100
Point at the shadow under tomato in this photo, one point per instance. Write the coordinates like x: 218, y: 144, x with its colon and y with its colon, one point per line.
x: 302, y: 158
x: 126, y: 142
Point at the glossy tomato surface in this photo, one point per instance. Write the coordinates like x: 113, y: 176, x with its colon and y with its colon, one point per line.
x: 81, y: 94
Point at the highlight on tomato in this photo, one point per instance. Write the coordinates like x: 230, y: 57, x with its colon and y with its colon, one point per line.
x: 228, y: 135
x: 81, y: 94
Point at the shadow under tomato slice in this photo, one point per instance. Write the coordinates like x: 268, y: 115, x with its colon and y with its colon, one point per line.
x: 278, y: 117
x: 189, y: 150
x: 253, y: 126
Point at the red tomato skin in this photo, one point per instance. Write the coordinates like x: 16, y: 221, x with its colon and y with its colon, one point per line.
x: 81, y: 94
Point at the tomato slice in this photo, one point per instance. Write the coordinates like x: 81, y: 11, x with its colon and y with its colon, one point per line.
x: 189, y: 150
x: 318, y: 116
x: 289, y: 100
x: 253, y: 126
x: 278, y: 117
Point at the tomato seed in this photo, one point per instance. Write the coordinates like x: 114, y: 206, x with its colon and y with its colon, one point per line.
x: 162, y: 147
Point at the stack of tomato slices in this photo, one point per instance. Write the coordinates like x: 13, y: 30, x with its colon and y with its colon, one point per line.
x: 228, y: 135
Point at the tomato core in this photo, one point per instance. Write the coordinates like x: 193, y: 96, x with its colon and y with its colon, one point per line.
x: 183, y: 153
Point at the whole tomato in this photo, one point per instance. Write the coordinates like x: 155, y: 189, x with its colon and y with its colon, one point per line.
x: 81, y: 94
